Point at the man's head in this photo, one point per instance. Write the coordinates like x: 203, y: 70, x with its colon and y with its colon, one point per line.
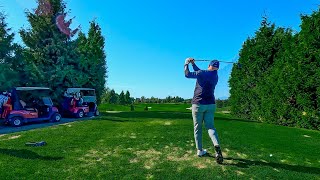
x: 214, y: 65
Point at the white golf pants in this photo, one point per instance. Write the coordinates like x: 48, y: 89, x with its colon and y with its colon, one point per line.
x: 200, y: 114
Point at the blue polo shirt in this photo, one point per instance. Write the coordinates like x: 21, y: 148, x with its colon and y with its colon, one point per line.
x: 205, y: 85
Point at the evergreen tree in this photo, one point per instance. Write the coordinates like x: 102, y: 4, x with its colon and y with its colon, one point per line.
x: 50, y: 54
x: 113, y: 97
x: 93, y: 59
x: 11, y: 62
x: 308, y: 66
x: 122, y: 99
x: 257, y: 57
x: 128, y: 98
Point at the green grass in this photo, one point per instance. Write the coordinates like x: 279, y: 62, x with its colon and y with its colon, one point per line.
x: 159, y: 144
x: 141, y: 107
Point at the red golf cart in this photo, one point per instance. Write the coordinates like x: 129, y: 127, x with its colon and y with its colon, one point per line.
x: 79, y: 102
x: 31, y: 104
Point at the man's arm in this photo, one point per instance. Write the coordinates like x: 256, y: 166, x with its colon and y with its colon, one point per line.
x: 195, y: 67
x: 189, y: 74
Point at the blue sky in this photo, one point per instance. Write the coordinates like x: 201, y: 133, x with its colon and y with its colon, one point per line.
x: 147, y: 41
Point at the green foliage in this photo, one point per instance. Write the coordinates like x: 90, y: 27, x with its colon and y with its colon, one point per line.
x: 257, y: 58
x: 168, y: 99
x: 53, y: 59
x: 11, y: 62
x: 50, y: 54
x: 279, y: 80
x: 222, y: 103
x: 122, y: 99
x: 93, y: 59
x: 127, y: 98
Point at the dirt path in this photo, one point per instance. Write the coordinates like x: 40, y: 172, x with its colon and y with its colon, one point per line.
x: 5, y: 129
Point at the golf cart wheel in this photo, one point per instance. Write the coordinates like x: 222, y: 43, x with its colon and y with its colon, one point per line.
x: 80, y: 114
x: 97, y: 113
x: 56, y: 117
x: 16, y: 121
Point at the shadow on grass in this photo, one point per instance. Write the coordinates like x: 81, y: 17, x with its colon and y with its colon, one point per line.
x: 27, y: 154
x: 127, y: 116
x: 246, y: 163
x: 236, y: 119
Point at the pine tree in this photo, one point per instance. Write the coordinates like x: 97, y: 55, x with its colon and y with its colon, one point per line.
x: 128, y: 98
x: 11, y: 62
x: 113, y: 97
x: 49, y: 53
x: 122, y: 99
x: 308, y: 67
x: 257, y: 57
x: 93, y: 59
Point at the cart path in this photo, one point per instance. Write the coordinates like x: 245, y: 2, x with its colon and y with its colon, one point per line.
x: 6, y: 129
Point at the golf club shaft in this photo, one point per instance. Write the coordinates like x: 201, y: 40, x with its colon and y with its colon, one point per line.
x: 219, y: 61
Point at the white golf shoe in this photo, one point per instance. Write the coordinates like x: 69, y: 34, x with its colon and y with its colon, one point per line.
x: 201, y: 153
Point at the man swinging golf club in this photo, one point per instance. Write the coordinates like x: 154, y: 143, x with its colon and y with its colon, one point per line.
x: 203, y: 104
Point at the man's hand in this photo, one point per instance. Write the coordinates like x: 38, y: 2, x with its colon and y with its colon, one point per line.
x: 189, y: 60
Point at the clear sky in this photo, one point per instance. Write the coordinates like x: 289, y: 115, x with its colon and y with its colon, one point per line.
x: 147, y: 41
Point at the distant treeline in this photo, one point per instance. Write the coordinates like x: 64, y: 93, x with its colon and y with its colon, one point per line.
x: 112, y: 97
x: 279, y: 81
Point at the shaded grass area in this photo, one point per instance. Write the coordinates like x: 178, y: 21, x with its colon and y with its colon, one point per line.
x: 159, y: 145
x: 141, y: 107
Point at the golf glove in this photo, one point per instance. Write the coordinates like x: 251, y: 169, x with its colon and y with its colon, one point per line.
x: 189, y: 60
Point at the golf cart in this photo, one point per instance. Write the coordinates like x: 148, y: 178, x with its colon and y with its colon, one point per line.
x: 80, y: 102
x: 31, y: 104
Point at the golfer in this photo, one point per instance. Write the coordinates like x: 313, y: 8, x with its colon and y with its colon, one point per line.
x: 203, y: 104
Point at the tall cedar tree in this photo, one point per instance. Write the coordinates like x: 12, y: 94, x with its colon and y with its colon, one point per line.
x: 308, y: 55
x: 93, y: 59
x: 256, y: 56
x: 50, y: 54
x: 127, y: 98
x: 279, y: 82
x: 122, y: 99
x: 11, y: 62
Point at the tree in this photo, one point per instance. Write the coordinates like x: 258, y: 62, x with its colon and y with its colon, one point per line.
x: 122, y: 99
x: 11, y: 62
x: 93, y: 59
x: 279, y: 82
x: 257, y: 57
x: 50, y: 53
x: 308, y: 66
x: 113, y: 97
x: 128, y: 98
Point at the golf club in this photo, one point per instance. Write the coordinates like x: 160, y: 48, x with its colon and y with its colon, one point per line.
x: 229, y: 62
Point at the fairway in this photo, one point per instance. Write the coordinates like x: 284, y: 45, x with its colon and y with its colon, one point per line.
x: 159, y: 144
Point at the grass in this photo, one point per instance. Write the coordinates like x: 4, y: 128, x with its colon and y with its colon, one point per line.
x: 141, y: 107
x: 159, y: 144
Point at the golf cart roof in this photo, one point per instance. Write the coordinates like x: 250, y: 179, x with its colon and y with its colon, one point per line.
x: 31, y: 88
x: 77, y: 90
